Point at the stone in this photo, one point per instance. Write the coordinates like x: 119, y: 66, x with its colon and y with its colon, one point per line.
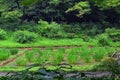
x: 117, y: 56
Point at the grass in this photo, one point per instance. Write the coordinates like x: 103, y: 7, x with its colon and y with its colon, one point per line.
x: 99, y: 53
x: 30, y: 56
x: 54, y: 42
x: 13, y: 51
x: 21, y: 62
x: 47, y: 42
x: 73, y: 56
x: 58, y: 57
x: 4, y: 54
x: 85, y: 54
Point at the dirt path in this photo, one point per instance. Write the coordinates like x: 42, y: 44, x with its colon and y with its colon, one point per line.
x: 43, y: 47
x: 12, y: 59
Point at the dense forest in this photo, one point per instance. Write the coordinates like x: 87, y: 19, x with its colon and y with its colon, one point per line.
x: 91, y: 14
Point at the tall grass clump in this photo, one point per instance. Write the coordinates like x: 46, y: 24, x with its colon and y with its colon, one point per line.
x: 61, y: 50
x: 85, y: 54
x: 99, y: 53
x: 3, y: 34
x: 73, y: 56
x: 30, y: 56
x: 41, y: 57
x: 4, y: 54
x: 13, y: 51
x: 58, y: 57
x: 49, y: 48
x: 21, y: 62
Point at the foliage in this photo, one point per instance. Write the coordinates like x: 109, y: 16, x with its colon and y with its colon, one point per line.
x: 3, y: 34
x: 82, y: 8
x: 13, y: 51
x: 90, y: 29
x: 107, y: 4
x: 110, y: 64
x: 103, y: 40
x: 114, y: 34
x: 21, y: 62
x: 12, y: 15
x: 84, y: 37
x: 24, y: 36
x: 4, y: 54
x: 52, y: 30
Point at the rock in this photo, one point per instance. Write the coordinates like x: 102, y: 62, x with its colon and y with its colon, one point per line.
x: 117, y: 56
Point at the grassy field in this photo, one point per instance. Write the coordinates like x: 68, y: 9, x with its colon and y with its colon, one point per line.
x: 83, y: 58
x: 48, y: 42
x: 52, y: 42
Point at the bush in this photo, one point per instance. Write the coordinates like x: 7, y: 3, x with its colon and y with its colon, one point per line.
x: 4, y: 54
x: 114, y: 34
x: 111, y: 64
x: 13, y: 51
x: 52, y: 30
x: 103, y: 40
x: 85, y: 37
x: 12, y: 15
x: 24, y: 36
x: 3, y: 34
x: 90, y: 28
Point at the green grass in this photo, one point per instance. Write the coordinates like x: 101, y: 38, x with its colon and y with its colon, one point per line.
x: 4, y: 54
x: 47, y: 42
x: 53, y: 42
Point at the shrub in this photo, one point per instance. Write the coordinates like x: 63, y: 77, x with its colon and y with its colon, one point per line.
x: 13, y: 51
x: 70, y: 35
x: 24, y: 36
x: 114, y: 34
x: 90, y: 28
x: 85, y: 37
x: 4, y: 54
x: 12, y: 15
x: 103, y: 40
x: 52, y: 30
x: 111, y: 64
x: 3, y: 34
